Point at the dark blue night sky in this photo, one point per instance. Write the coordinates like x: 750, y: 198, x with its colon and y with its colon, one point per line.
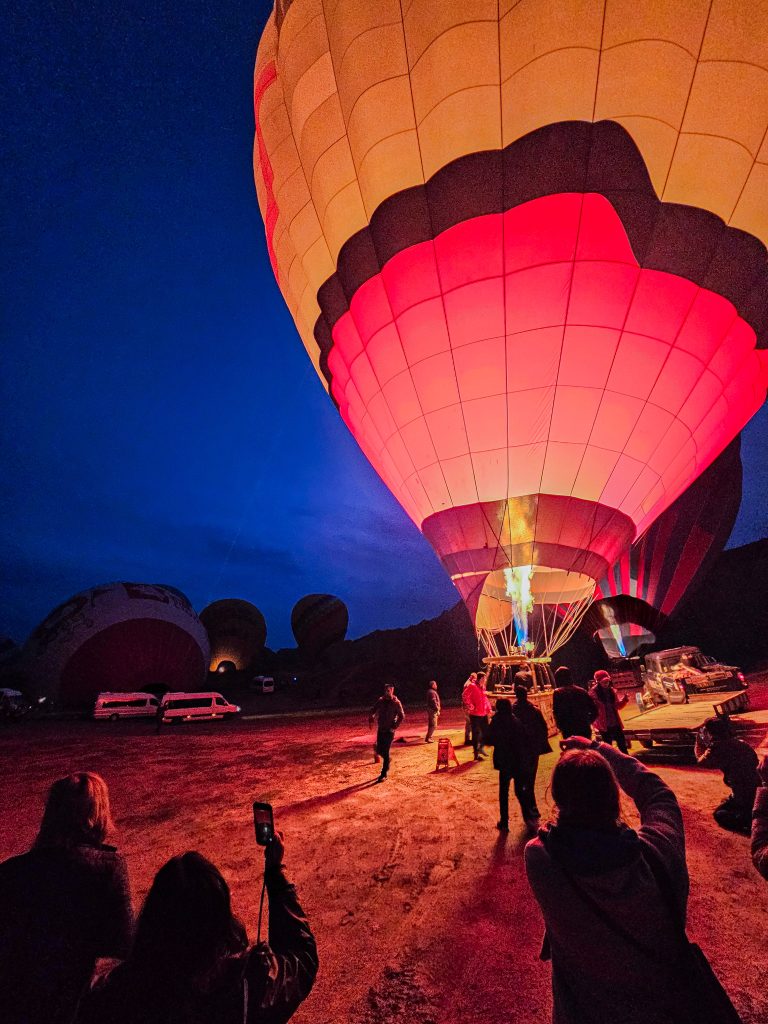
x: 160, y: 419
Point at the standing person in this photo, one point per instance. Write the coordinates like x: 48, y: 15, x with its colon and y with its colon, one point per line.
x: 717, y: 747
x: 62, y: 905
x: 573, y: 709
x: 608, y: 721
x: 760, y: 822
x: 471, y: 680
x: 618, y: 894
x: 433, y: 711
x: 192, y: 962
x: 534, y: 742
x: 505, y: 735
x: 478, y: 707
x: 389, y: 712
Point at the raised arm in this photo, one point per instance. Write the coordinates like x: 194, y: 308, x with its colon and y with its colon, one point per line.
x: 661, y: 821
x: 281, y: 975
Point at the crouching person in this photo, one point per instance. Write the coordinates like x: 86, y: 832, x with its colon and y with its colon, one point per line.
x: 717, y: 747
x: 191, y: 960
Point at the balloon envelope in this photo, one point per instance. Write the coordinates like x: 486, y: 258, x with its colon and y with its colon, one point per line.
x: 650, y: 580
x: 237, y: 632
x: 524, y: 248
x: 118, y: 637
x: 317, y: 621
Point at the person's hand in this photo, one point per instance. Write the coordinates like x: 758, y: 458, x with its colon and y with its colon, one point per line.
x: 762, y: 770
x: 575, y: 743
x: 274, y: 850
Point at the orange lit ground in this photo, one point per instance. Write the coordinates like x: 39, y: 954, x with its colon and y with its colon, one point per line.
x: 421, y: 911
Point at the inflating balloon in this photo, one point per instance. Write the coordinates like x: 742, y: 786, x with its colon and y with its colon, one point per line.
x: 669, y: 561
x: 317, y: 621
x: 119, y: 637
x: 523, y: 244
x: 237, y: 632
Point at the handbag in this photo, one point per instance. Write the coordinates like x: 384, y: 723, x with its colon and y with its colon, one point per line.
x: 703, y: 999
x: 704, y: 991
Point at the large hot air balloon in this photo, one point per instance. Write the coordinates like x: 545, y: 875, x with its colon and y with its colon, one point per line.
x: 651, y: 578
x: 523, y: 244
x: 237, y: 632
x: 119, y: 637
x: 317, y: 621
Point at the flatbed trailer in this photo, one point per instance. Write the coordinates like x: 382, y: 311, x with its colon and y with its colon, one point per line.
x: 676, y: 725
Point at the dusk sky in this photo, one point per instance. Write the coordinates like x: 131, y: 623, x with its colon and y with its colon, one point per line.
x: 161, y: 421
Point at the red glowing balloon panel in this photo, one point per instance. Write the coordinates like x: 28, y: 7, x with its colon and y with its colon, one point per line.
x: 527, y: 352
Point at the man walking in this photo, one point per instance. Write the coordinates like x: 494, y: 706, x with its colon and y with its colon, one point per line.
x: 433, y: 711
x: 573, y: 709
x: 389, y: 712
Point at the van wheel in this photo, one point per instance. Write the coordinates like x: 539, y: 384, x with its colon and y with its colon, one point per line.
x: 114, y: 718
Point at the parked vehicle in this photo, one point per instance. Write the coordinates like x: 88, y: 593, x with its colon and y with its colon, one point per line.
x: 186, y: 707
x: 125, y: 705
x: 674, y: 675
x: 263, y: 684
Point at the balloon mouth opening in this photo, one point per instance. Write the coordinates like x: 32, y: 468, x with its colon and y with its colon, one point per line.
x: 523, y: 588
x: 622, y: 641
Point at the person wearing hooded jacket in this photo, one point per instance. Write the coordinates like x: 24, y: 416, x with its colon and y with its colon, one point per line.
x: 610, y: 931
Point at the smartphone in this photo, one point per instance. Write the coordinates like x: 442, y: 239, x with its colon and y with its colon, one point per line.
x: 263, y: 823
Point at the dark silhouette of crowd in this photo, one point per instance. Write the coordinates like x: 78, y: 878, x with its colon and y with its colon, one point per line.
x: 66, y: 903
x: 613, y: 898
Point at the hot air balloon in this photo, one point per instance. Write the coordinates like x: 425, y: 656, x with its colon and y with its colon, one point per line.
x: 663, y: 566
x: 317, y: 621
x: 524, y: 246
x: 120, y: 637
x: 237, y: 632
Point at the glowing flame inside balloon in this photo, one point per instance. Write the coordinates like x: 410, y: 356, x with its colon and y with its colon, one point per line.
x: 616, y: 631
x: 519, y: 579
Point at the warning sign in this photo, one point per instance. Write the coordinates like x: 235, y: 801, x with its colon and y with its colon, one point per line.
x: 445, y: 753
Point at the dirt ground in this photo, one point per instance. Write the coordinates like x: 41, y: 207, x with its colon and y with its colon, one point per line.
x: 421, y: 909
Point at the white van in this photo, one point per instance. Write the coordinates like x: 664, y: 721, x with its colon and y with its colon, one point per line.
x: 188, y: 706
x: 125, y: 705
x: 263, y: 684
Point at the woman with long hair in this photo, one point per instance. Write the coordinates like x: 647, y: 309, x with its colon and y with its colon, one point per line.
x: 613, y: 899
x: 62, y: 905
x: 191, y: 962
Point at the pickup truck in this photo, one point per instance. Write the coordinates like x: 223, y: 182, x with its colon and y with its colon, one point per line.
x: 674, y: 675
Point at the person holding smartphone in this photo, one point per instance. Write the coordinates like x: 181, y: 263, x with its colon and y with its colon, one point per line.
x: 191, y: 959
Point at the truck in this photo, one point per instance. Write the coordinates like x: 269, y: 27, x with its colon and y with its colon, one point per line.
x: 674, y: 675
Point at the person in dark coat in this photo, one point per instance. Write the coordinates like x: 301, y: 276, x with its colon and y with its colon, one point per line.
x: 191, y: 961
x: 505, y: 735
x: 388, y: 713
x: 611, y: 937
x: 433, y: 711
x: 609, y: 704
x: 573, y: 708
x: 63, y: 904
x: 534, y: 743
x: 717, y: 747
